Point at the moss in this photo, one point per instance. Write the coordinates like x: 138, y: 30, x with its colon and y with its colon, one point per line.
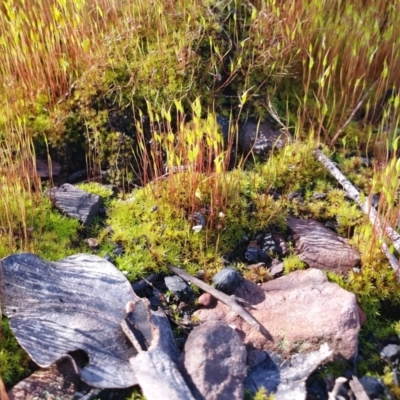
x: 292, y: 263
x: 13, y: 360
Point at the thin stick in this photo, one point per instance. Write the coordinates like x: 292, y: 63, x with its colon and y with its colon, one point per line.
x: 228, y: 300
x: 380, y: 228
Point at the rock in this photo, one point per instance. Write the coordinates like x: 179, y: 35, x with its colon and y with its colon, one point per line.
x: 299, y: 311
x: 321, y: 248
x: 214, y: 361
x: 269, y: 246
x: 261, y: 138
x: 285, y: 378
x: 43, y: 169
x: 199, y: 219
x: 372, y: 386
x: 255, y: 255
x: 390, y: 353
x: 76, y: 203
x: 226, y: 280
x: 256, y: 357
x: 363, y: 317
x: 206, y: 300
x: 77, y: 176
x: 276, y: 268
x: 109, y: 258
x: 281, y: 243
x: 92, y: 243
x: 316, y: 388
x: 179, y: 288
x: 59, y: 382
x: 118, y: 250
x: 141, y: 286
x: 224, y: 124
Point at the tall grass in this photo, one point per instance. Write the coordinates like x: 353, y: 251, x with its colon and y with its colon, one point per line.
x: 178, y: 58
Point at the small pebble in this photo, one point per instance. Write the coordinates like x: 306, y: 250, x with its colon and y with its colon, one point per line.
x: 226, y: 280
x: 92, y: 243
x: 390, y: 353
x: 179, y: 288
x: 205, y: 299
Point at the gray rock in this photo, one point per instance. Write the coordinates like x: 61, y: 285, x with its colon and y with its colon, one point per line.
x: 285, y: 378
x: 255, y: 255
x: 373, y: 386
x: 76, y: 203
x: 261, y: 138
x: 224, y: 123
x: 390, y: 353
x: 214, y: 362
x: 226, y: 280
x: 179, y: 288
x: 44, y: 170
x: 269, y: 246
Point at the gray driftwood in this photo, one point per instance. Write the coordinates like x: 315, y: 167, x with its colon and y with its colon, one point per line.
x: 75, y: 202
x: 155, y: 365
x: 230, y: 301
x: 381, y: 228
x: 78, y: 303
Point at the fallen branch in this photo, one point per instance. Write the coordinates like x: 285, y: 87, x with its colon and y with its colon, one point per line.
x: 228, y: 300
x: 365, y: 205
x: 154, y: 366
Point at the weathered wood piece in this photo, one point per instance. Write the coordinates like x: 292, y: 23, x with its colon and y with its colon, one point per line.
x: 73, y: 304
x: 230, y: 301
x: 285, y: 378
x: 78, y: 304
x: 380, y: 227
x: 322, y: 248
x: 75, y: 202
x: 358, y: 390
x: 154, y: 365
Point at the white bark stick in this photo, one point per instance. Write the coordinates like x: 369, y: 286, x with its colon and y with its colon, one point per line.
x: 381, y: 228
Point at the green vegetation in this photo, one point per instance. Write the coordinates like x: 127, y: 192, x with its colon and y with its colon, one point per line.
x: 135, y: 88
x: 13, y: 360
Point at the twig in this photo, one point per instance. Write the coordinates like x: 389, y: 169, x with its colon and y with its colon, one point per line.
x: 228, y: 300
x: 380, y: 228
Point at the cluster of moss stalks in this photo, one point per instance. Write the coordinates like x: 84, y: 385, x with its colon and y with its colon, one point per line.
x: 136, y: 90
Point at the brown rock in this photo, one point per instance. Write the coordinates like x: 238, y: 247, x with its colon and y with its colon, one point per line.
x: 214, y: 361
x: 299, y: 311
x: 92, y: 243
x: 321, y: 248
x: 206, y: 299
x: 276, y: 268
x: 59, y: 382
